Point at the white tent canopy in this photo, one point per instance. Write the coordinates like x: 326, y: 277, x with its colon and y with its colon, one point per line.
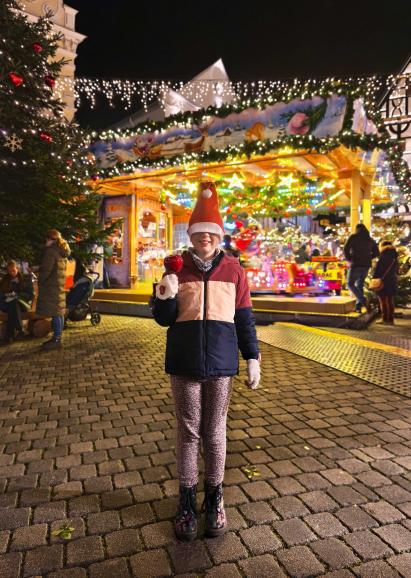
x: 209, y: 88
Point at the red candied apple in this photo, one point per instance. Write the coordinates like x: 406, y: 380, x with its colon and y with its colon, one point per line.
x: 173, y: 263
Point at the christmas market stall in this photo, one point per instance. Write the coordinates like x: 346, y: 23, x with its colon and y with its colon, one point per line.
x: 308, y: 153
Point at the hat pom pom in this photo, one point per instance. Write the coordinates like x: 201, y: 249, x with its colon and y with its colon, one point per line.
x: 206, y: 193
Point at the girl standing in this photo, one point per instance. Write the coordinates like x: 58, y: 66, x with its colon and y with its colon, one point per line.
x: 207, y: 307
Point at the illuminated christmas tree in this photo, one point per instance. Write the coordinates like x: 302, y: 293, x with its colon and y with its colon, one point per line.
x: 43, y: 168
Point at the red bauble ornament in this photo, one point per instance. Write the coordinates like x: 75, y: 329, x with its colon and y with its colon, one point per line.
x: 16, y: 79
x: 163, y: 207
x: 94, y: 177
x: 37, y: 47
x: 173, y: 263
x: 49, y: 80
x: 228, y: 211
x: 308, y: 211
x: 46, y: 137
x: 234, y: 216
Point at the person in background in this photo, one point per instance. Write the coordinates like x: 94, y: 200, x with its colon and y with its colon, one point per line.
x: 51, y: 301
x: 207, y: 307
x: 15, y: 297
x: 302, y: 255
x: 360, y: 249
x: 228, y: 248
x: 386, y: 269
x: 315, y: 253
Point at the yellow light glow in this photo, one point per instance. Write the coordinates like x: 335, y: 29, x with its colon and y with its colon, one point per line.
x: 192, y: 187
x: 287, y: 181
x: 328, y: 184
x: 285, y: 151
x: 337, y: 194
x: 235, y: 182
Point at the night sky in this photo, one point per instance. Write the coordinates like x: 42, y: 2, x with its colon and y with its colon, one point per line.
x: 273, y: 39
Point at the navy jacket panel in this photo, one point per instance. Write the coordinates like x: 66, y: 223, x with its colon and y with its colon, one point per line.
x: 245, y: 327
x: 165, y: 311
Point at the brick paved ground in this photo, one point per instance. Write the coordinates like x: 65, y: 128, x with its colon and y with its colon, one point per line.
x: 87, y: 440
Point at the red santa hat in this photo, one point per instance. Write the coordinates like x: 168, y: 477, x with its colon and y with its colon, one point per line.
x: 206, y: 216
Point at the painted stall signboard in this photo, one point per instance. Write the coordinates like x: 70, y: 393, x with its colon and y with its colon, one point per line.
x: 322, y: 117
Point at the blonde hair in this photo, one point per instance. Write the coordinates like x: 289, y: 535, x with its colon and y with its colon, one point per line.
x: 55, y: 235
x: 12, y: 263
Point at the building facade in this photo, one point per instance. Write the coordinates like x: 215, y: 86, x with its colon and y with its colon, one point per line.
x: 64, y: 20
x: 396, y: 110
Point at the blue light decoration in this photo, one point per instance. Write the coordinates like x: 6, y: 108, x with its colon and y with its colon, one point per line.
x: 184, y: 198
x: 229, y: 226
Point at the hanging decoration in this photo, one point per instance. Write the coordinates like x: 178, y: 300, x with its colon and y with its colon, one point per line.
x: 37, y: 47
x: 206, y: 136
x: 16, y: 79
x: 284, y: 194
x: 49, y: 80
x: 129, y: 92
x: 46, y: 137
x: 13, y: 142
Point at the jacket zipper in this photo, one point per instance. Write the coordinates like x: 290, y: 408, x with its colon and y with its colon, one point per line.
x: 205, y: 278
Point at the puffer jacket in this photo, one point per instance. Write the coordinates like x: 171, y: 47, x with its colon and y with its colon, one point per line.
x: 360, y: 250
x: 387, y: 268
x: 209, y: 320
x: 51, y: 299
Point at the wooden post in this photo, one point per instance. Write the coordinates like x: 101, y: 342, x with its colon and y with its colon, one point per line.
x: 132, y: 244
x: 169, y: 225
x: 367, y: 208
x: 355, y: 200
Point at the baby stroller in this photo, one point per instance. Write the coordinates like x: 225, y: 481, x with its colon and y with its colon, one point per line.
x: 78, y: 299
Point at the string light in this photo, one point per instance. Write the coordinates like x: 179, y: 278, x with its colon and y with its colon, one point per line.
x: 127, y: 92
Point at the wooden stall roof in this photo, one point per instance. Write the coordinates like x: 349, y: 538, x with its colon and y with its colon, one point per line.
x: 337, y: 165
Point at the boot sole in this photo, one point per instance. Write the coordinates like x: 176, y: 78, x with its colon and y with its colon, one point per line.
x: 215, y: 532
x: 186, y: 537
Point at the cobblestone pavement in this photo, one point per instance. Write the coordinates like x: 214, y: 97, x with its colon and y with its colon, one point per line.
x: 318, y: 479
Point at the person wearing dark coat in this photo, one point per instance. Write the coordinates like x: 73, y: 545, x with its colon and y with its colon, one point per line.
x: 302, y: 255
x: 228, y: 248
x: 51, y: 301
x: 360, y: 249
x: 386, y: 269
x: 15, y: 297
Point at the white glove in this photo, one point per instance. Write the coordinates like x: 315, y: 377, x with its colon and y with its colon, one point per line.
x: 253, y: 372
x: 168, y: 287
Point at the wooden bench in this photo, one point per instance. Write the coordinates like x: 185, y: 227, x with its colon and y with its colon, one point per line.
x: 37, y: 326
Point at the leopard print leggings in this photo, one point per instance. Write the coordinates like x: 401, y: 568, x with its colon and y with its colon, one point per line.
x: 201, y: 410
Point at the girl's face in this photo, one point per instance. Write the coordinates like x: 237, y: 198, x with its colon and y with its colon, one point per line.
x: 205, y: 244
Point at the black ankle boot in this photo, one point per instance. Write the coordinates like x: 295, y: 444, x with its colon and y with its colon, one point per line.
x: 215, y: 518
x: 185, y: 522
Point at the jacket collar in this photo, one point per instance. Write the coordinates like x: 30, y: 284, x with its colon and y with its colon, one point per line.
x: 222, y: 260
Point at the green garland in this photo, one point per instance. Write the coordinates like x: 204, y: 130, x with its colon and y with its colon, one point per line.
x: 299, y: 89
x: 347, y: 138
x: 365, y: 89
